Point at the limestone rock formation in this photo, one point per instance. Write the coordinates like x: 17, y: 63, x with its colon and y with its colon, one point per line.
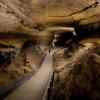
x: 16, y: 63
x: 77, y: 77
x: 20, y: 14
x: 24, y: 36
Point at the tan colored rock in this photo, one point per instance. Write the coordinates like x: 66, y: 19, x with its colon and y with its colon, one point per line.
x: 77, y: 77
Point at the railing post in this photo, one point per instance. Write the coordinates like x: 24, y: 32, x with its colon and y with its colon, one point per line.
x: 48, y: 90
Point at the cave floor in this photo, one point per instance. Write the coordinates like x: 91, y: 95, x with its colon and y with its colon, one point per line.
x: 34, y: 89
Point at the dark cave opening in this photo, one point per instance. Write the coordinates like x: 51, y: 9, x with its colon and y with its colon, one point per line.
x: 86, y: 32
x: 63, y: 38
x: 29, y: 43
x: 82, y: 32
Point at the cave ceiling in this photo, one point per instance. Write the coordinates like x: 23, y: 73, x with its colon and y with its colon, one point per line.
x: 24, y: 15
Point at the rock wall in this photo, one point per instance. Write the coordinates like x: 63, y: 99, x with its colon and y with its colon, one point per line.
x: 22, y: 20
x: 77, y: 74
x: 18, y: 62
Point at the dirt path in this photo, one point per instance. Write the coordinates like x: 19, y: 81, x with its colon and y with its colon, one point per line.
x: 35, y: 88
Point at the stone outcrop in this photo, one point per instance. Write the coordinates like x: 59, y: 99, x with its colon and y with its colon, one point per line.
x: 16, y: 63
x: 6, y: 57
x: 77, y: 74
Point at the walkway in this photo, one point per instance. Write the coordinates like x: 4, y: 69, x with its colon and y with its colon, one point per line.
x: 35, y: 88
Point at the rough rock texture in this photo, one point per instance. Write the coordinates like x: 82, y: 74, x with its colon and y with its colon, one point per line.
x: 20, y: 14
x: 16, y: 63
x: 18, y: 57
x: 24, y: 20
x: 77, y: 74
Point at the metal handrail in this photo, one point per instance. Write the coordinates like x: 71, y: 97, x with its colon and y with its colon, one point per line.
x: 47, y: 93
x: 49, y: 86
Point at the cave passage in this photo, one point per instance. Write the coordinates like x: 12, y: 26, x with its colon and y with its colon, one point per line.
x: 50, y: 49
x: 36, y: 86
x: 63, y: 38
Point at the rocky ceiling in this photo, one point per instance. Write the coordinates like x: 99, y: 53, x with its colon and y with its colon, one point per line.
x: 23, y: 16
